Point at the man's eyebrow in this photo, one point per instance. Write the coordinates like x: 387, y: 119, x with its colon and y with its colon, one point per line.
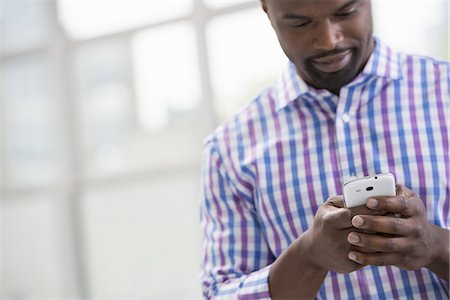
x: 348, y: 4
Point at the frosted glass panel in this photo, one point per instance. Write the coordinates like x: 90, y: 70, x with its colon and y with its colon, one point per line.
x: 242, y: 66
x: 32, y: 265
x: 215, y: 4
x: 166, y: 73
x: 105, y: 103
x: 33, y: 150
x: 23, y: 24
x: 103, y: 16
x: 124, y: 132
x: 143, y: 239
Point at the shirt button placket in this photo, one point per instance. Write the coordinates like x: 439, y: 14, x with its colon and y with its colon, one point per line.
x: 345, y: 118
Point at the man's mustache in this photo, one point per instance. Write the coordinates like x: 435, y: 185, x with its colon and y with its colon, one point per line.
x: 328, y: 53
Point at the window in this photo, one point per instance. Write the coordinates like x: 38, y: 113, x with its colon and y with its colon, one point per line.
x: 33, y: 149
x: 262, y: 60
x: 165, y: 58
x: 117, y: 16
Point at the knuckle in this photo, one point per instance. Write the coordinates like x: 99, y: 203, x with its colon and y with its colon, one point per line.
x: 403, y: 202
x: 396, y: 225
x: 406, y: 205
x: 409, y: 193
x: 391, y: 245
x: 327, y: 219
x: 362, y: 259
x: 416, y: 230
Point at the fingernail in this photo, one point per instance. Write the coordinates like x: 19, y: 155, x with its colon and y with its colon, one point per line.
x: 372, y: 203
x: 352, y: 256
x: 353, y: 239
x: 357, y: 221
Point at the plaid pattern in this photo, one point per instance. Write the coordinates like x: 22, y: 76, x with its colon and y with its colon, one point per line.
x: 267, y: 170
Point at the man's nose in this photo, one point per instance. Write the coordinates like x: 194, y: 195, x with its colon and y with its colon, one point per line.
x: 328, y: 36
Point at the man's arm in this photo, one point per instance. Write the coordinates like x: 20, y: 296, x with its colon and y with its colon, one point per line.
x: 237, y: 261
x: 407, y: 239
x: 294, y: 275
x: 235, y: 256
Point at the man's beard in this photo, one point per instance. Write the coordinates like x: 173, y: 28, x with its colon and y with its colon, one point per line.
x: 334, y: 80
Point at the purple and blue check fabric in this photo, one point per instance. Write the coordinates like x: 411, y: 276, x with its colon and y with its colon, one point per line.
x: 268, y: 169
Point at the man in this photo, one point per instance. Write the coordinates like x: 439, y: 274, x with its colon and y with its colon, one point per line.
x: 346, y: 106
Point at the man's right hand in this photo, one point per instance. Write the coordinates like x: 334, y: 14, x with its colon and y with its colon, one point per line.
x: 300, y: 270
x: 326, y: 241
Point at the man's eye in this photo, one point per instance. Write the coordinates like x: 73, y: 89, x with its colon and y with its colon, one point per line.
x: 299, y: 25
x: 346, y: 13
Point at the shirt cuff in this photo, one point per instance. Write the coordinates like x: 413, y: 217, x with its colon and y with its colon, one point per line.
x: 256, y: 285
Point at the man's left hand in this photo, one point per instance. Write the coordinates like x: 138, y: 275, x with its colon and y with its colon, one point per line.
x: 403, y: 236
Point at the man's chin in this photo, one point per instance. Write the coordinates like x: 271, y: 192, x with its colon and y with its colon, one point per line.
x: 334, y: 80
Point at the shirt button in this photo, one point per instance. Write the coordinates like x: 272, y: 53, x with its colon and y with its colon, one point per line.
x: 345, y: 118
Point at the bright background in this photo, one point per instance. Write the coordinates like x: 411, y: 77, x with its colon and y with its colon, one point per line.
x: 104, y: 106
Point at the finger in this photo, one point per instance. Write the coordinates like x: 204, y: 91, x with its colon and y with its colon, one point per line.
x: 378, y: 242
x: 338, y: 219
x: 401, y: 204
x: 334, y: 213
x: 364, y: 210
x: 362, y: 249
x: 337, y: 201
x: 403, y: 190
x: 382, y: 224
x: 374, y: 259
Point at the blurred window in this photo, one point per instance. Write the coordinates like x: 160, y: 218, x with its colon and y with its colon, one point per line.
x: 239, y: 69
x: 216, y: 4
x: 427, y: 21
x: 25, y: 25
x: 104, y: 97
x: 33, y: 149
x: 81, y: 18
x: 31, y: 257
x: 166, y: 74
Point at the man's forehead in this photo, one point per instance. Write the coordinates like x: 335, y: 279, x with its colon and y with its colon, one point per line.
x: 298, y: 6
x: 308, y: 1
x: 311, y: 2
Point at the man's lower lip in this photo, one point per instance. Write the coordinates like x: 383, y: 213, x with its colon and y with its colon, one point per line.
x: 335, y: 64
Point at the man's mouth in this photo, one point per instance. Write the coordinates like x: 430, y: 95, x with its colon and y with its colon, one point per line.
x: 334, y: 62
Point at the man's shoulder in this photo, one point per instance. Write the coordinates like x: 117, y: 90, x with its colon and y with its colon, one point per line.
x: 241, y: 124
x: 417, y: 61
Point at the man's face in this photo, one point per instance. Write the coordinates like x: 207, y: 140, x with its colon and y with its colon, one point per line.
x: 329, y: 41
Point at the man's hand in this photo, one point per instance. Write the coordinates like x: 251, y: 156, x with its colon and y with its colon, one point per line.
x: 404, y: 238
x: 327, y: 238
x: 300, y: 270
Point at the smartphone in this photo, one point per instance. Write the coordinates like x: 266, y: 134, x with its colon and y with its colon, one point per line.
x: 357, y: 191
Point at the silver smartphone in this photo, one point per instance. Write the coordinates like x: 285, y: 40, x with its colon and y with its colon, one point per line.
x: 357, y: 191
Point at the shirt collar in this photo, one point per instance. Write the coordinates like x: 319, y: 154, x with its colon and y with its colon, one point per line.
x: 383, y: 62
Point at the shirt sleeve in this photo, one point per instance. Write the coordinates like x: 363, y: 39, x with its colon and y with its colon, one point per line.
x: 236, y: 259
